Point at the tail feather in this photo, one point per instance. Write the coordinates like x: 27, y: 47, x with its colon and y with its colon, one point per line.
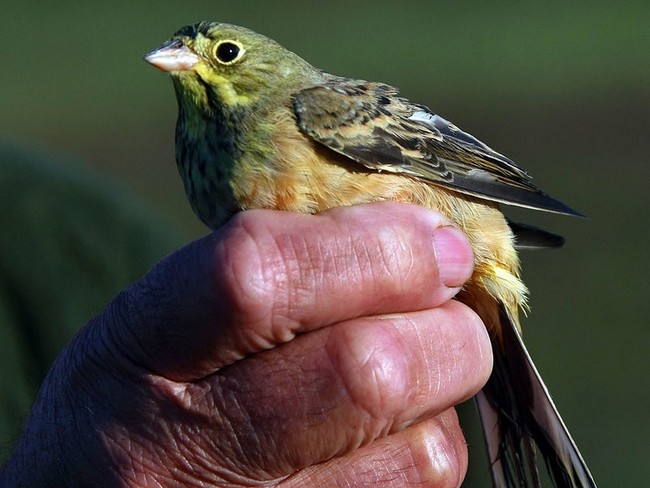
x: 516, y: 411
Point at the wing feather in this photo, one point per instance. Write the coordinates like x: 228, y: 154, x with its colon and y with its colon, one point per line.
x: 369, y: 123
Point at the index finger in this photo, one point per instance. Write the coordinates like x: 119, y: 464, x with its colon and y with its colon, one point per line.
x: 267, y: 276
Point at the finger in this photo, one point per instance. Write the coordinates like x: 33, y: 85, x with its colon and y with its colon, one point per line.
x: 288, y: 276
x: 267, y: 276
x: 329, y: 392
x: 432, y: 453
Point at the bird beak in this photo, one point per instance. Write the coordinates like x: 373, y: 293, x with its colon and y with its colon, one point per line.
x: 172, y: 56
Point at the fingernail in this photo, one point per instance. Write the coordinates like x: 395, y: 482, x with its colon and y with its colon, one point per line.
x: 454, y: 256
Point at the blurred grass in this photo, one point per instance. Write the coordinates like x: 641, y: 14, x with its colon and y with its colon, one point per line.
x: 563, y: 88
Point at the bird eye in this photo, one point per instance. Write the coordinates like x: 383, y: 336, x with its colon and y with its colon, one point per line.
x: 227, y: 52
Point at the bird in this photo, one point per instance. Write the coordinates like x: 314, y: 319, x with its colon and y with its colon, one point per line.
x: 260, y: 127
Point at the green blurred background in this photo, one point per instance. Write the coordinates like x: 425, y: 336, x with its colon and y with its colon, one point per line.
x: 562, y: 88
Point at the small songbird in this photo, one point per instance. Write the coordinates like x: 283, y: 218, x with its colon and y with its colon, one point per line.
x: 259, y: 127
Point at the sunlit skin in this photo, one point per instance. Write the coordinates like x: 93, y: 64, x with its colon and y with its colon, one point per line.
x: 259, y: 127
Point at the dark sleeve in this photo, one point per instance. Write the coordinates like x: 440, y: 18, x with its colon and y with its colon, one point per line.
x: 68, y: 243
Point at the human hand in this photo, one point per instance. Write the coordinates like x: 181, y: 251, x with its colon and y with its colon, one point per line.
x: 282, y: 350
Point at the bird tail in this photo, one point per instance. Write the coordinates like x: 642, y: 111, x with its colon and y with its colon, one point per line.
x: 517, y: 413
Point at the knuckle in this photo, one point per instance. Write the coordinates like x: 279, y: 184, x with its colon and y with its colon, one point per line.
x: 252, y: 274
x: 370, y: 360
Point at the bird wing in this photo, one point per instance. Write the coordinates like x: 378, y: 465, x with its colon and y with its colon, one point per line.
x: 369, y: 123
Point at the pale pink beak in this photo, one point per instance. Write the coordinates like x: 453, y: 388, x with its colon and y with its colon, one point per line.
x: 172, y: 56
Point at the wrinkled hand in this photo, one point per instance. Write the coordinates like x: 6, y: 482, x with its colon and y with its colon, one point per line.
x: 282, y: 350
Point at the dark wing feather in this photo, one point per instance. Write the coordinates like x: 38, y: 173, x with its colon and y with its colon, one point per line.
x: 528, y: 237
x: 371, y: 125
x: 516, y: 410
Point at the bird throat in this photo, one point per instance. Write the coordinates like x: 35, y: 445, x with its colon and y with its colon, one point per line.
x: 207, y: 147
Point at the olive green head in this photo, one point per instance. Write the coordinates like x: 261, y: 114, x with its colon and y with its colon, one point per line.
x: 214, y: 64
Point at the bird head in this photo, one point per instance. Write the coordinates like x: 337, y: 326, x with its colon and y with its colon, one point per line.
x: 226, y: 67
